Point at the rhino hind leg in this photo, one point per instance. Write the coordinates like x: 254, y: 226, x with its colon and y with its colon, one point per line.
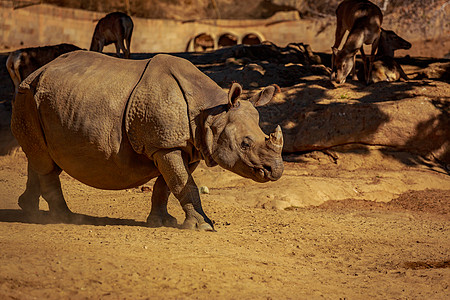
x: 159, y: 216
x: 29, y: 200
x: 49, y: 186
x: 51, y: 191
x: 177, y: 174
x: 43, y: 173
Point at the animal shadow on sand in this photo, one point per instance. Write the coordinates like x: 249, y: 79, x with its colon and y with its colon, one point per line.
x: 44, y: 218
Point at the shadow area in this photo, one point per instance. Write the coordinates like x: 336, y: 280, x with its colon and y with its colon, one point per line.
x: 44, y: 218
x: 421, y: 62
x: 412, y: 132
x: 316, y: 115
x: 391, y: 116
x: 254, y: 66
x: 432, y: 138
x: 7, y: 141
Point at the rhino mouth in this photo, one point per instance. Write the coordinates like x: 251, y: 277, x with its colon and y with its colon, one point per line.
x: 263, y: 174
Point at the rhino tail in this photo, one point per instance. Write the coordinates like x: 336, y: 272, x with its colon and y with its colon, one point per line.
x: 30, y: 83
x: 26, y: 126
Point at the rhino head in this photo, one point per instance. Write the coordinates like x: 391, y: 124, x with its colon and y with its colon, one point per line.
x: 234, y: 140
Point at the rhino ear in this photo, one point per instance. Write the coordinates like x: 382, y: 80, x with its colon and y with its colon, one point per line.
x: 264, y: 97
x: 234, y: 94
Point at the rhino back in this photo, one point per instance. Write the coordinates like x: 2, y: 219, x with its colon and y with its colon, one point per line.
x: 162, y: 110
x: 82, y: 96
x: 80, y: 99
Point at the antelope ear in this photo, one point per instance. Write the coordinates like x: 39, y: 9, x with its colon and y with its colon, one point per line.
x: 234, y: 94
x: 264, y: 97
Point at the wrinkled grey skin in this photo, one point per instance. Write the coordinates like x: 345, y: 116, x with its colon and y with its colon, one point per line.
x: 115, y: 124
x: 116, y: 28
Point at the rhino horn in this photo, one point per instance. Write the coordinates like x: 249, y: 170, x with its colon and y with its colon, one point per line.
x: 275, y: 140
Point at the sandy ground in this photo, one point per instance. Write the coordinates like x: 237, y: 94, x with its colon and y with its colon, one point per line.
x: 366, y: 226
x: 352, y: 249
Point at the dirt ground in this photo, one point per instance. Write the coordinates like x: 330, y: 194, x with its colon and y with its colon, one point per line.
x: 369, y: 225
x: 347, y: 249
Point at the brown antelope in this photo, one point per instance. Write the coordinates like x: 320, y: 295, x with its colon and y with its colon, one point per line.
x: 23, y: 62
x: 389, y: 42
x: 113, y: 28
x: 385, y: 68
x: 363, y: 20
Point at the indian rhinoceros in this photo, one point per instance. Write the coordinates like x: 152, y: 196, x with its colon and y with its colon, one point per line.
x: 116, y: 124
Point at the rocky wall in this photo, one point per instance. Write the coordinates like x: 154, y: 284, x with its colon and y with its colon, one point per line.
x: 43, y: 24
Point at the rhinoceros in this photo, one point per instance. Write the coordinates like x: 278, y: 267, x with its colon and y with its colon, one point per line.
x: 115, y: 124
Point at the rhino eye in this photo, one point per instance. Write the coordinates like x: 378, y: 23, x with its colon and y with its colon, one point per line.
x: 246, y: 143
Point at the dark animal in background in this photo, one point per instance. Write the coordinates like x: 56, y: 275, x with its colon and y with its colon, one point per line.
x: 385, y: 67
x: 363, y: 20
x: 116, y: 28
x: 23, y: 62
x: 203, y: 42
x: 389, y: 42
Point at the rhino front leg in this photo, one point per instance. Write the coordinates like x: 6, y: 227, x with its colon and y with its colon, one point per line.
x: 159, y: 216
x: 174, y: 168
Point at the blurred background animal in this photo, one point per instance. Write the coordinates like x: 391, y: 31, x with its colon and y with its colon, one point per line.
x: 385, y: 67
x: 23, y: 62
x: 116, y: 28
x: 363, y: 20
x: 389, y: 42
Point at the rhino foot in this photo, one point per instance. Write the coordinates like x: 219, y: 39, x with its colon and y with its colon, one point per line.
x: 166, y: 220
x: 193, y: 223
x: 196, y: 219
x: 28, y: 206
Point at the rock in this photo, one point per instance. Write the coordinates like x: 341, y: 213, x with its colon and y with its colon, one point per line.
x: 414, y: 123
x: 203, y: 190
x: 438, y: 71
x: 146, y: 189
